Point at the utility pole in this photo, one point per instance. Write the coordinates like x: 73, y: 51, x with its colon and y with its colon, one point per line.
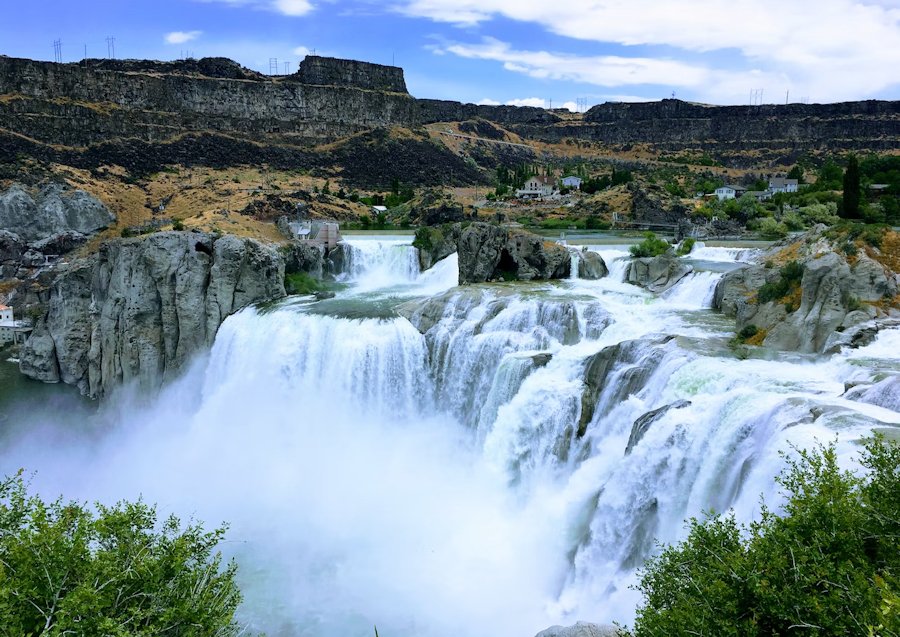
x: 85, y: 51
x: 286, y: 67
x: 787, y: 95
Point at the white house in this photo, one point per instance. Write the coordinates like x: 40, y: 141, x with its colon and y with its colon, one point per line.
x: 572, y: 182
x: 729, y: 191
x: 780, y: 184
x: 10, y: 329
x: 536, y: 187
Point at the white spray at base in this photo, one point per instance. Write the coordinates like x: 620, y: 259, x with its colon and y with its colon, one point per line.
x: 437, y: 484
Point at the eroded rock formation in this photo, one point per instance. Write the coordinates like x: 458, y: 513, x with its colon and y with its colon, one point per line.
x: 140, y: 308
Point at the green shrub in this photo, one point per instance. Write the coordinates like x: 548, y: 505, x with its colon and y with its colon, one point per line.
x: 651, y: 246
x: 829, y: 565
x: 748, y: 331
x: 66, y: 569
x: 772, y: 229
x: 788, y: 278
x: 178, y: 225
x: 302, y: 283
x: 686, y: 246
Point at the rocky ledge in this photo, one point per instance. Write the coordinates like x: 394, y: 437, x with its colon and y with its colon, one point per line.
x: 497, y: 253
x: 805, y: 294
x: 136, y: 311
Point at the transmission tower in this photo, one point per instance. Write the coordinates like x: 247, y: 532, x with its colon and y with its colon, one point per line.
x: 57, y: 51
x: 273, y: 66
x: 111, y: 47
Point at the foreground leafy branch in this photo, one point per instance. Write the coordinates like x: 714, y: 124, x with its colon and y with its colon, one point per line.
x: 828, y: 565
x: 67, y: 570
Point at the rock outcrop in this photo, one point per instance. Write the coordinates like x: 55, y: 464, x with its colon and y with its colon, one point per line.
x: 136, y: 311
x: 54, y: 209
x: 591, y: 265
x: 801, y: 304
x: 642, y: 425
x: 488, y: 252
x: 657, y: 274
x: 581, y: 629
x: 616, y: 372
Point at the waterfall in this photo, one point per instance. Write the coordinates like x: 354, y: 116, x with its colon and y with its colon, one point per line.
x: 695, y: 291
x: 500, y: 461
x: 376, y: 263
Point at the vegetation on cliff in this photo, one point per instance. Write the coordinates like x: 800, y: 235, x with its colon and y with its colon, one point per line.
x: 67, y: 569
x: 830, y: 565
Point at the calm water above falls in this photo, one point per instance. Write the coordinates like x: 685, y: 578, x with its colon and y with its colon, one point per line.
x: 435, y: 485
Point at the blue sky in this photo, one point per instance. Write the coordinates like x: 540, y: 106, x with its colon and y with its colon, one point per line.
x: 510, y: 51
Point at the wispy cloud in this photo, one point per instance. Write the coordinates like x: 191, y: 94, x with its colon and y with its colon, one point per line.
x: 292, y: 8
x: 833, y: 49
x: 180, y: 37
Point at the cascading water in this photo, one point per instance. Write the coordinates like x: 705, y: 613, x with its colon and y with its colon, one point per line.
x: 499, y: 461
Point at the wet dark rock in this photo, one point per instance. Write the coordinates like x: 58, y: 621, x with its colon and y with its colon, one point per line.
x: 642, y: 424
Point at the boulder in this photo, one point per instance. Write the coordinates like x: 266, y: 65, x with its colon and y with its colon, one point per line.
x: 591, y: 266
x: 657, y: 274
x: 137, y: 310
x: 54, y: 209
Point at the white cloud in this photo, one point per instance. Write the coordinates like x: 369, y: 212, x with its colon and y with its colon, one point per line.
x: 487, y: 102
x: 831, y: 49
x: 607, y: 70
x: 537, y: 102
x: 292, y: 8
x: 302, y: 51
x: 180, y: 37
x: 572, y: 106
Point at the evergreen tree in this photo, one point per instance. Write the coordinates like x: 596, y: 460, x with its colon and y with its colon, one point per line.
x: 851, y: 189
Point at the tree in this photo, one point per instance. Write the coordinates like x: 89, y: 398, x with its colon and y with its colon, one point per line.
x: 65, y: 569
x: 851, y: 189
x: 795, y: 173
x: 829, y: 565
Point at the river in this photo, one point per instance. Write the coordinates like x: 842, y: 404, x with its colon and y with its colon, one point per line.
x: 435, y: 485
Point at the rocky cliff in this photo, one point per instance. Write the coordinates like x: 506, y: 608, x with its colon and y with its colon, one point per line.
x: 780, y: 130
x: 51, y: 210
x: 136, y: 311
x: 91, y: 102
x: 806, y: 293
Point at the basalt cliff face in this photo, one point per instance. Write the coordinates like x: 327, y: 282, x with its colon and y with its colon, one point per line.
x: 87, y: 104
x: 136, y: 311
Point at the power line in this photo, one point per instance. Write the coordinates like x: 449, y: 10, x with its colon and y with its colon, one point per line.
x: 273, y: 66
x: 111, y: 47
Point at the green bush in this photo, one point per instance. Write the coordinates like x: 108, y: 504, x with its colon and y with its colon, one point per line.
x: 772, y: 229
x: 686, y: 246
x: 178, y: 225
x: 68, y: 570
x: 829, y: 565
x: 302, y: 283
x: 651, y: 246
x: 748, y: 331
x: 789, y: 277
